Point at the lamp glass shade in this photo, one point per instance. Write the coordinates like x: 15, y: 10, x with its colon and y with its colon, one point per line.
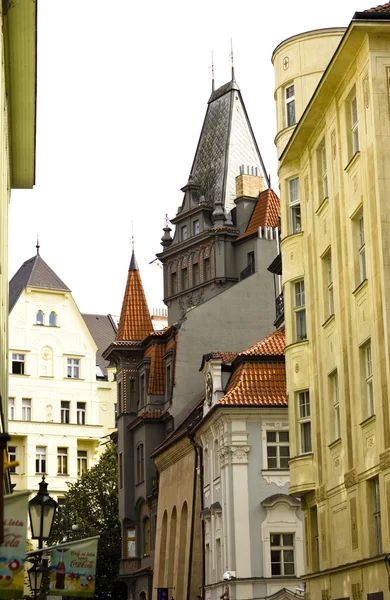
x: 35, y: 575
x: 42, y: 511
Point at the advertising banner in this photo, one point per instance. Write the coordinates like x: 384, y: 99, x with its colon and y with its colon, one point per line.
x: 13, y: 549
x: 73, y: 568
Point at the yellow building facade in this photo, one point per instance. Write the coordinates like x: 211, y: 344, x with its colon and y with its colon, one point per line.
x: 335, y: 183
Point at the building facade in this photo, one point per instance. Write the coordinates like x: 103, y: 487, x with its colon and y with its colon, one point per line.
x: 62, y: 394
x: 334, y: 201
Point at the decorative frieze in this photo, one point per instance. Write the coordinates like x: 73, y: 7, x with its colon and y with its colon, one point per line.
x: 224, y: 456
x: 320, y: 494
x: 239, y: 454
x: 350, y: 478
x: 384, y: 459
x: 356, y: 591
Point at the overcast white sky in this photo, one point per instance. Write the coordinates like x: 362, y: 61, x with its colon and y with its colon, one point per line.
x: 122, y: 92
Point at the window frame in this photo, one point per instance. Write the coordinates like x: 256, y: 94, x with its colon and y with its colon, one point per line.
x: 40, y: 317
x: 195, y: 274
x: 73, y: 368
x: 81, y: 411
x: 300, y: 311
x: 130, y: 540
x: 62, y: 460
x: 355, y: 142
x: 207, y: 268
x: 12, y: 456
x: 184, y: 278
x: 196, y: 227
x: 291, y: 118
x: 173, y: 282
x: 65, y: 412
x: 369, y: 379
x: 11, y: 409
x: 183, y: 233
x: 277, y: 444
x: 304, y: 422
x: 82, y: 462
x: 294, y: 205
x: 282, y: 549
x: 335, y: 394
x: 146, y: 530
x: 40, y: 463
x: 51, y: 324
x: 17, y: 358
x: 140, y: 457
x: 26, y: 410
x: 324, y: 172
x: 361, y: 247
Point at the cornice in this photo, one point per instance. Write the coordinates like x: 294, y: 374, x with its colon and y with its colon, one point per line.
x: 173, y: 454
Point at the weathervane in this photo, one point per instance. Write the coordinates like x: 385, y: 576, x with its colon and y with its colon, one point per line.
x: 166, y: 220
x: 232, y: 57
x: 212, y: 71
x: 37, y: 246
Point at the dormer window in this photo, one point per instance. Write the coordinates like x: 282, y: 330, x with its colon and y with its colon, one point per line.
x: 39, y: 318
x: 53, y: 319
x: 196, y: 227
x: 184, y: 233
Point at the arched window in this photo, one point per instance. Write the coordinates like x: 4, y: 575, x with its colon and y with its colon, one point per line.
x: 163, y: 551
x: 39, y: 317
x: 146, y: 536
x: 172, y: 547
x: 140, y: 463
x: 53, y: 319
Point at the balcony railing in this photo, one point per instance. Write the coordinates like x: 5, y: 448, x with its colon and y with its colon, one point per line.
x: 249, y: 270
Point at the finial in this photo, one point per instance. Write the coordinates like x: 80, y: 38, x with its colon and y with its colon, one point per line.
x: 37, y: 246
x: 212, y: 72
x: 132, y: 237
x: 232, y: 57
x: 166, y: 220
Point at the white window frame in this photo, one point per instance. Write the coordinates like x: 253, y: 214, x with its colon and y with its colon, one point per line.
x: 65, y: 412
x: 18, y: 358
x: 354, y: 125
x: 282, y: 549
x: 328, y: 276
x: 11, y: 409
x: 369, y: 379
x: 377, y: 514
x: 73, y: 368
x: 290, y: 100
x: 277, y: 445
x: 183, y: 233
x: 51, y: 323
x: 324, y: 173
x: 40, y: 317
x: 82, y: 462
x: 196, y: 227
x: 300, y: 310
x: 62, y: 461
x: 26, y: 409
x: 304, y: 422
x: 12, y: 452
x: 294, y: 202
x: 81, y: 413
x: 334, y: 381
x: 40, y: 459
x: 216, y: 460
x: 361, y: 248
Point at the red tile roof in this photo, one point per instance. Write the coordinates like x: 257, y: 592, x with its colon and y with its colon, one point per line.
x: 257, y: 384
x: 156, y: 383
x: 266, y: 213
x: 384, y: 8
x: 135, y: 322
x: 272, y: 345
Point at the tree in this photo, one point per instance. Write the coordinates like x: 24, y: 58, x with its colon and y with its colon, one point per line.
x: 93, y: 502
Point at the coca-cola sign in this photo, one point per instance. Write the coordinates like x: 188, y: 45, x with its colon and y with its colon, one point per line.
x: 73, y: 568
x: 12, y: 550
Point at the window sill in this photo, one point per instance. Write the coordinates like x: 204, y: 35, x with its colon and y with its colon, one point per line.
x: 368, y: 420
x: 353, y: 160
x: 74, y: 378
x: 46, y: 377
x: 334, y: 444
x: 276, y: 471
x: 19, y: 374
x: 360, y: 287
x: 62, y: 474
x: 321, y: 207
x: 329, y: 320
x: 41, y: 473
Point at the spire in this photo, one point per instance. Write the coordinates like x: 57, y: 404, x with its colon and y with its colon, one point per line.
x: 232, y: 58
x: 37, y: 246
x: 135, y: 322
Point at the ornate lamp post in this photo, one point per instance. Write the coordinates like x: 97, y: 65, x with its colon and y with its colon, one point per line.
x: 42, y: 510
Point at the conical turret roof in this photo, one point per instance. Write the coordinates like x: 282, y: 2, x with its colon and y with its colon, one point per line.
x: 135, y: 322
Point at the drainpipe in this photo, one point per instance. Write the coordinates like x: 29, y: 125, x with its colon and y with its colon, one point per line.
x: 198, y: 458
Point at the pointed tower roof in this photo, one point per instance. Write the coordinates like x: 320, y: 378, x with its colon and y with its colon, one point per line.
x: 34, y: 273
x: 226, y: 143
x: 135, y: 322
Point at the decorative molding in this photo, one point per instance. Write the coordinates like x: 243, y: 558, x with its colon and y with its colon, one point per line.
x: 286, y: 63
x: 384, y: 459
x: 223, y: 456
x: 239, y: 454
x: 366, y: 91
x: 276, y: 478
x: 356, y: 591
x: 320, y: 494
x: 325, y: 594
x: 333, y: 143
x: 350, y: 478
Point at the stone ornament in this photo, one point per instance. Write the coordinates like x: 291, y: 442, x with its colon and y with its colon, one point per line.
x: 356, y: 591
x: 350, y: 478
x: 224, y: 456
x: 325, y: 594
x: 286, y: 63
x: 239, y: 454
x: 320, y: 494
x: 384, y: 459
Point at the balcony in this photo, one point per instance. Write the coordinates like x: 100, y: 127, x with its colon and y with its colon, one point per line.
x: 302, y: 475
x: 249, y: 270
x: 279, y: 305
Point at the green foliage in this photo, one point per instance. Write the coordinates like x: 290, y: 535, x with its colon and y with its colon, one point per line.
x: 92, y: 502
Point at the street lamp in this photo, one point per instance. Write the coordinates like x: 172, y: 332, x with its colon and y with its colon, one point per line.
x: 42, y: 510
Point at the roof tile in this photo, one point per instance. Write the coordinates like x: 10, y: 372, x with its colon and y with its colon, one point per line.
x: 272, y: 345
x: 265, y: 214
x: 383, y: 8
x: 257, y: 384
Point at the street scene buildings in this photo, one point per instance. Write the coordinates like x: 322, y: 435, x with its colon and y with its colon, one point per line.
x: 250, y: 418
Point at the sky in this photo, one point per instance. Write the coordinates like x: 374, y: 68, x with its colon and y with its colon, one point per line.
x: 122, y: 91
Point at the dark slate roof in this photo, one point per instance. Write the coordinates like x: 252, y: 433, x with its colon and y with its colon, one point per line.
x: 210, y: 167
x: 34, y: 273
x: 103, y: 330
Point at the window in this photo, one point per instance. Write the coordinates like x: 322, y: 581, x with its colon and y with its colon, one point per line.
x: 62, y: 461
x: 18, y: 364
x: 251, y: 261
x: 206, y: 269
x: 146, y: 528
x: 184, y: 233
x: 294, y: 205
x: 376, y: 512
x: 195, y: 227
x: 184, y: 278
x: 73, y: 370
x: 53, y: 319
x: 334, y: 383
x: 369, y: 380
x: 354, y: 126
x: 361, y: 249
x: 140, y: 463
x: 142, y: 389
x: 132, y: 394
x: 81, y: 410
x: 65, y: 411
x: 12, y: 457
x: 82, y: 462
x: 300, y: 311
x: 115, y: 411
x: 40, y: 459
x: 304, y: 421
x: 206, y: 466
x: 282, y: 554
x: 217, y: 471
x: 278, y: 449
x: 328, y: 284
x: 11, y: 409
x: 130, y: 543
x: 26, y: 409
x: 168, y: 383
x: 39, y: 318
x: 218, y: 558
x: 120, y: 470
x: 290, y: 105
x: 195, y: 274
x: 174, y: 283
x: 324, y: 173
